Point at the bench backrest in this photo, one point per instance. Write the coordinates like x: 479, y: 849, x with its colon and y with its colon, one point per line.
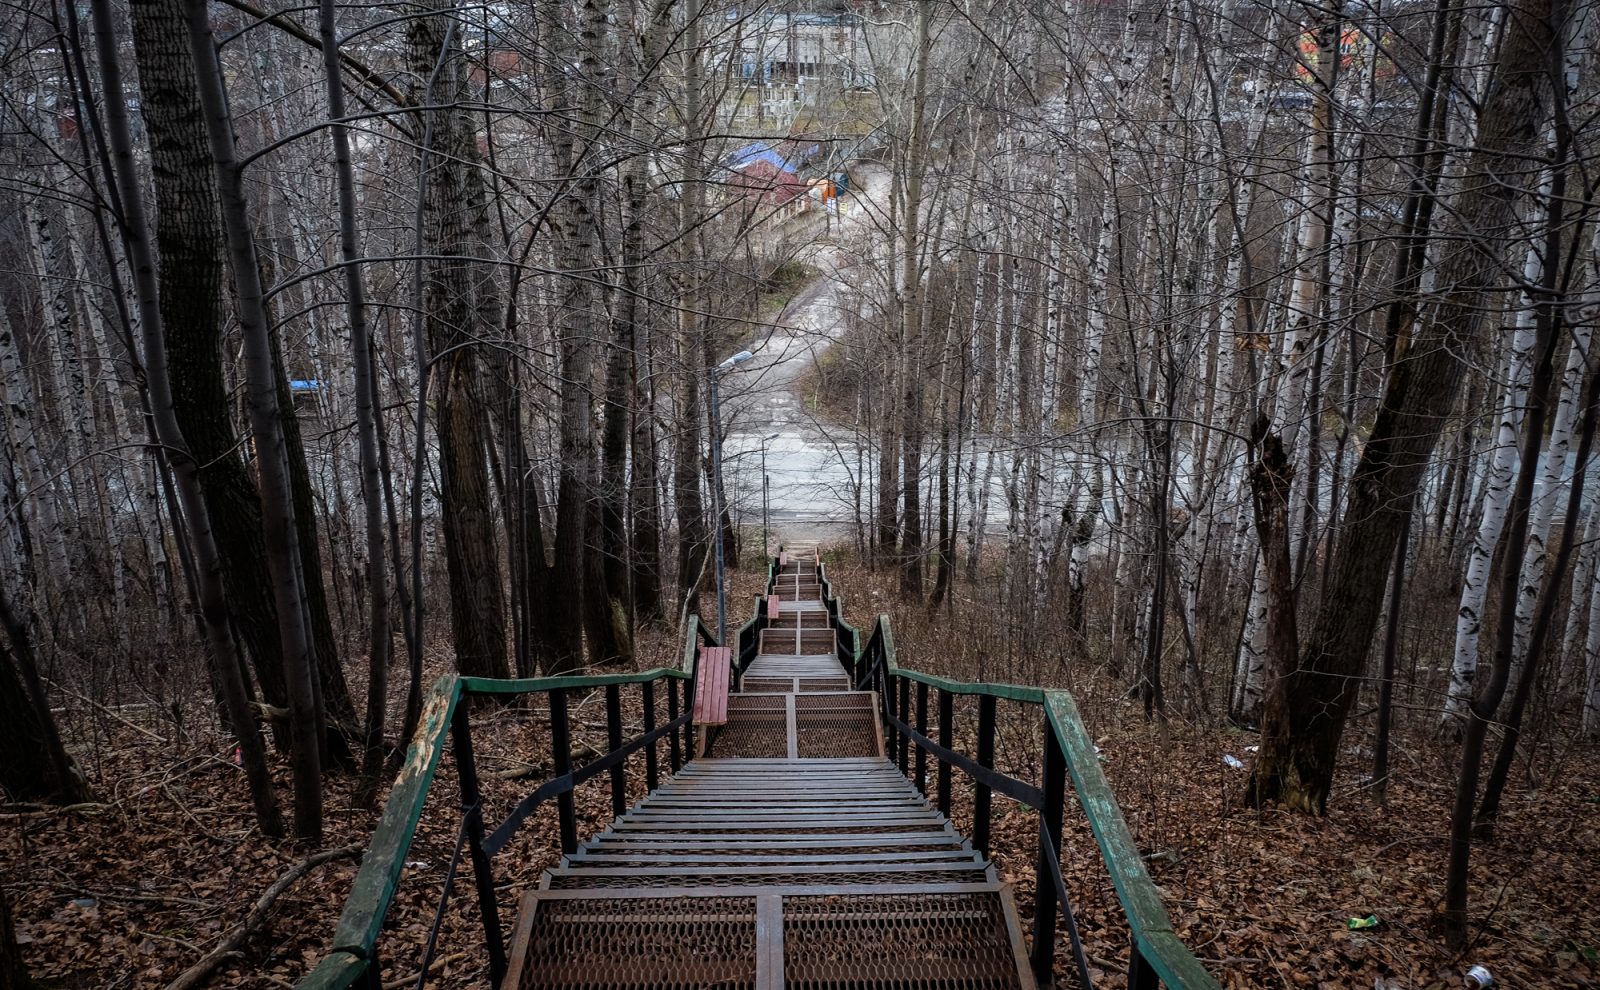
x: 713, y: 673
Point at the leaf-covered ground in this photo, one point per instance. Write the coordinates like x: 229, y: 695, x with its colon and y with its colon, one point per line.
x: 131, y: 892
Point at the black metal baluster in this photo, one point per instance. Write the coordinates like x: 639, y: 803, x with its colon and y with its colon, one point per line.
x: 922, y: 727
x: 1141, y: 975
x: 472, y: 807
x: 372, y: 978
x: 652, y: 773
x: 946, y: 720
x: 886, y: 692
x: 903, y: 710
x: 980, y: 791
x: 619, y: 773
x: 561, y: 756
x: 674, y: 753
x: 1045, y: 906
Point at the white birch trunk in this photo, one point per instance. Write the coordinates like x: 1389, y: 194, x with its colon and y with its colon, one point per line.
x: 1252, y: 665
x: 38, y: 492
x: 1552, y: 468
x: 1497, y: 499
x: 980, y: 516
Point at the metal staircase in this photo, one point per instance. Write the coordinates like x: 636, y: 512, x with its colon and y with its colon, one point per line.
x: 801, y: 840
x: 793, y: 854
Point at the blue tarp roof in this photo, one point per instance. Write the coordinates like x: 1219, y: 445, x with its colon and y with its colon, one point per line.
x: 760, y: 151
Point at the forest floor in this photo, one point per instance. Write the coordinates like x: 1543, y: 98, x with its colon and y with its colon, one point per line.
x: 129, y: 892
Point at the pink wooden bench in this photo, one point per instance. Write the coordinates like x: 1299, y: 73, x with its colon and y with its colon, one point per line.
x: 712, y: 676
x: 773, y: 608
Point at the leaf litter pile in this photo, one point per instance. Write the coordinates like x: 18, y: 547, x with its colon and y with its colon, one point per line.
x: 132, y: 892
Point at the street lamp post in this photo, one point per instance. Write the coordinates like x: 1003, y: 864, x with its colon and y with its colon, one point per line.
x: 716, y: 487
x: 766, y: 488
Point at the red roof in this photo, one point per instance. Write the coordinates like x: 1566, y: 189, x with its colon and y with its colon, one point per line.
x: 762, y: 178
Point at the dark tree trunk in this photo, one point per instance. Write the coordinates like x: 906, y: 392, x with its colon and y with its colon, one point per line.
x: 911, y: 303
x: 338, y: 708
x: 646, y: 502
x: 693, y: 533
x: 227, y: 665
x: 1271, y: 477
x: 616, y: 622
x: 454, y: 198
x: 13, y: 974
x: 22, y: 738
x: 285, y: 564
x: 888, y: 521
x: 947, y: 498
x: 368, y: 413
x: 189, y: 244
x: 1391, y: 650
x: 27, y: 728
x: 1297, y: 761
x: 573, y: 582
x: 1151, y: 692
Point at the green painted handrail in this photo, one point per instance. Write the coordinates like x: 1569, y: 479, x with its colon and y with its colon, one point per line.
x: 356, y: 936
x: 1152, y: 930
x: 1147, y: 915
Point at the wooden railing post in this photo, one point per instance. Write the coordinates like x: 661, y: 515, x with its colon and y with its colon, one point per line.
x: 922, y: 727
x: 946, y: 720
x: 472, y: 807
x: 1044, y: 903
x: 980, y: 791
x: 652, y: 772
x: 561, y: 758
x: 619, y: 773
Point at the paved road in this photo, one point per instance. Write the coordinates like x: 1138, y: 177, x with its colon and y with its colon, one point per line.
x: 812, y: 467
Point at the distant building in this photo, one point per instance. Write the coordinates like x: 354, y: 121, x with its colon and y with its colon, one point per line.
x: 760, y: 172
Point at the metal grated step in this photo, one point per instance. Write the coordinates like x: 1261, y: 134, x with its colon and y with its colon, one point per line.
x: 634, y: 944
x: 857, y: 939
x: 962, y: 941
x: 817, y: 725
